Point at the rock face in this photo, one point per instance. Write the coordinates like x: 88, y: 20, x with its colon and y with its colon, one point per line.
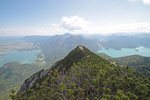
x: 81, y: 48
x: 76, y: 55
x: 30, y: 82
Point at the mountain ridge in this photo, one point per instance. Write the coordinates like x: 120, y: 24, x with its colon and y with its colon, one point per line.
x: 76, y: 55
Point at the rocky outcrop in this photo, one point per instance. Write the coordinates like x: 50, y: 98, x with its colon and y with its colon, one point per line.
x: 31, y: 81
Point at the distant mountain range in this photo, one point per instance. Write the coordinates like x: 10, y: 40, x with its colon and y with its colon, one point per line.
x: 125, y: 41
x: 58, y: 46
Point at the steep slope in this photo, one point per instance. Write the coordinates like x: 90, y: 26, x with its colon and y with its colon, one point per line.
x: 13, y: 74
x: 83, y: 75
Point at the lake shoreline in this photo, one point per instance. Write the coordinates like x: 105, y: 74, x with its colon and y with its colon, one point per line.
x: 22, y: 57
x: 142, y: 51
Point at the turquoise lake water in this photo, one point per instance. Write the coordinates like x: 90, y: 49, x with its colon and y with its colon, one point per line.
x: 19, y: 56
x: 143, y: 51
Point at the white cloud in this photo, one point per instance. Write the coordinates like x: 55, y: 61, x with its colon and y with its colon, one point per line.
x: 132, y: 0
x: 146, y: 2
x: 77, y: 25
x: 131, y: 27
x: 36, y: 30
x: 74, y: 23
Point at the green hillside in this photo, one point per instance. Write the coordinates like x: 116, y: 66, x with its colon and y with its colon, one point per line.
x: 83, y: 75
x: 13, y: 74
x: 140, y: 63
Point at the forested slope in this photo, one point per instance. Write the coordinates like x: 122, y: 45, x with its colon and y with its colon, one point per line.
x: 140, y: 63
x: 83, y: 75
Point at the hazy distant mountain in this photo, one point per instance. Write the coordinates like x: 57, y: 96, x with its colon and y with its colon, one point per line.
x: 94, y: 41
x: 58, y: 46
x: 125, y: 41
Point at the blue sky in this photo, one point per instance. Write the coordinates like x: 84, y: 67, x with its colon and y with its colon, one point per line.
x: 47, y: 17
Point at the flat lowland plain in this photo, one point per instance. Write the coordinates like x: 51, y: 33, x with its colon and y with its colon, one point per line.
x: 15, y: 45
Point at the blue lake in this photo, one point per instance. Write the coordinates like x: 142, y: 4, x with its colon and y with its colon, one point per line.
x: 19, y: 56
x: 143, y: 51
